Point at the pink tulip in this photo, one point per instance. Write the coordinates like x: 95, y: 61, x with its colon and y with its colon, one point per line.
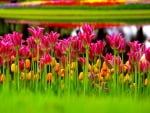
x: 59, y: 50
x: 16, y: 39
x: 86, y: 35
x: 37, y: 33
x: 24, y: 51
x: 32, y: 45
x: 100, y: 47
x: 147, y: 54
x: 46, y: 59
x: 116, y: 42
x: 45, y: 44
x: 134, y: 46
x: 53, y: 38
x: 92, y: 51
x: 134, y: 57
x: 122, y: 45
x: 108, y: 57
x: 144, y: 66
x: 5, y: 49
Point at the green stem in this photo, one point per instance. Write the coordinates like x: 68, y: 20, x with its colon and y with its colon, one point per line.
x: 86, y: 70
x: 37, y: 74
x: 115, y: 72
x: 136, y: 80
x: 18, y: 71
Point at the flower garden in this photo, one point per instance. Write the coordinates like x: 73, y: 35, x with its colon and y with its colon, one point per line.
x: 46, y: 73
x: 75, y: 66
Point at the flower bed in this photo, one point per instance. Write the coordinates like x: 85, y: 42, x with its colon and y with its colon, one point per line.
x: 75, y: 65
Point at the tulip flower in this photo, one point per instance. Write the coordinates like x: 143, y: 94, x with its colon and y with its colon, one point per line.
x: 24, y: 51
x: 37, y: 33
x: 144, y: 66
x: 147, y: 54
x: 45, y: 44
x: 16, y: 39
x: 46, y: 59
x: 122, y: 45
x: 134, y: 57
x: 86, y: 35
x: 53, y: 38
x: 100, y: 47
x: 134, y: 46
x: 21, y: 64
x: 116, y: 42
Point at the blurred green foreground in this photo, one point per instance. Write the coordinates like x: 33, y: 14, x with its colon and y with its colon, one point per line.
x: 40, y: 103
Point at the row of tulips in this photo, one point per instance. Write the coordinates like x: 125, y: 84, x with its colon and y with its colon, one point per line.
x: 63, y: 3
x: 64, y: 25
x: 73, y: 65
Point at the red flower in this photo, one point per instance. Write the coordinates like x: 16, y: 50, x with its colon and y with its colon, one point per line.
x: 46, y: 59
x: 81, y: 60
x: 21, y: 65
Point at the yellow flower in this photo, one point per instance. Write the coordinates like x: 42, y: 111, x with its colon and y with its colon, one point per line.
x: 96, y: 70
x: 28, y: 76
x: 98, y: 62
x: 126, y: 78
x: 73, y: 65
x: 146, y: 82
x: 53, y: 63
x: 14, y: 68
x: 81, y: 76
x: 22, y: 76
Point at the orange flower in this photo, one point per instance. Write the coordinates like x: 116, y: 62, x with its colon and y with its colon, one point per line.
x: 49, y: 77
x: 89, y: 68
x: 2, y: 78
x: 57, y: 67
x: 62, y: 73
x: 35, y: 59
x: 27, y: 63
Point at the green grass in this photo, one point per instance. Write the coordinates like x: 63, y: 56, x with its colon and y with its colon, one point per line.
x: 25, y: 102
